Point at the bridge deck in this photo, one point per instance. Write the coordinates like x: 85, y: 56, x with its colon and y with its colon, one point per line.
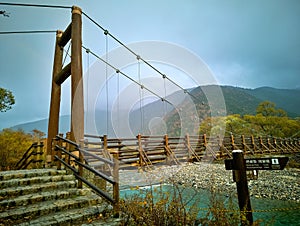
x: 148, y: 150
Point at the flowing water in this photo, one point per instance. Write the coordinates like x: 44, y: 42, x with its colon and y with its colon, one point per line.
x: 271, y: 212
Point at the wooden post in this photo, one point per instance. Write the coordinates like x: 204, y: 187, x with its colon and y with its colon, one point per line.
x: 244, y: 144
x: 253, y: 143
x: 59, y: 154
x: 68, y: 159
x: 188, y: 145
x: 232, y: 142
x: 39, y: 154
x: 77, y: 105
x: 205, y: 146
x: 167, y: 149
x: 80, y: 167
x: 35, y: 154
x: 240, y: 178
x: 139, y: 137
x: 116, y: 191
x: 104, y: 168
x: 261, y: 144
x: 53, y: 123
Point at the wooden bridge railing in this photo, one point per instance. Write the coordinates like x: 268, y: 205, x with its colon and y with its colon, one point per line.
x: 32, y: 156
x: 148, y: 150
x: 73, y: 156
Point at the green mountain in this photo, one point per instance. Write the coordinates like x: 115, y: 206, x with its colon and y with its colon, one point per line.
x: 244, y: 101
x: 237, y: 101
x: 42, y: 125
x: 286, y: 99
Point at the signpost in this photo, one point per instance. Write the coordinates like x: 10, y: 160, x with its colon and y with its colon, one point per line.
x: 239, y: 167
x: 270, y: 163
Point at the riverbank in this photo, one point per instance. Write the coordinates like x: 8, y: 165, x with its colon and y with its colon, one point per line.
x: 276, y: 184
x: 272, y: 184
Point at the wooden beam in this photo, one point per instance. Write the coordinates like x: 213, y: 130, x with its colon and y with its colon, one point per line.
x: 63, y: 75
x: 77, y: 104
x: 53, y: 123
x: 66, y: 36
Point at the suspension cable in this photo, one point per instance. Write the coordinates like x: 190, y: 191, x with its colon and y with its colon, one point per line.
x: 106, y: 80
x: 26, y: 32
x: 118, y: 101
x: 128, y: 77
x: 36, y: 5
x: 87, y: 85
x: 67, y: 53
x: 138, y: 56
x: 141, y: 95
x: 165, y: 90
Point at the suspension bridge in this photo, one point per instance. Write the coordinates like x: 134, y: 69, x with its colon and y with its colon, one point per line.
x: 108, y: 155
x: 146, y: 148
x: 103, y: 155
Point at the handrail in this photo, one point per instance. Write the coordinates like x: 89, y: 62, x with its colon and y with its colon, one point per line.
x: 97, y: 157
x: 197, y: 146
x: 78, y: 173
x: 96, y: 189
x: 30, y: 153
x: 68, y: 141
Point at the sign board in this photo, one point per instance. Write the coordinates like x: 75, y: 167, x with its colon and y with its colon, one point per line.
x: 270, y: 163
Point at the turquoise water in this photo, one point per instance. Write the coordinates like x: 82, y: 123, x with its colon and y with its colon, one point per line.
x: 272, y: 212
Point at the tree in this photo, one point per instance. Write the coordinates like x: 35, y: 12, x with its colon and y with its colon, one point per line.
x: 7, y: 99
x: 268, y: 108
x: 13, y: 144
x: 37, y: 135
x: 269, y: 121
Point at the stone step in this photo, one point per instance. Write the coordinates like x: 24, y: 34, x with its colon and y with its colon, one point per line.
x: 30, y: 212
x: 17, y: 182
x: 46, y: 197
x: 105, y: 222
x: 71, y: 217
x: 23, y: 200
x: 30, y: 189
x: 18, y: 174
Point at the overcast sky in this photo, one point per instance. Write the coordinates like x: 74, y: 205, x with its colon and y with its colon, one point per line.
x: 245, y: 43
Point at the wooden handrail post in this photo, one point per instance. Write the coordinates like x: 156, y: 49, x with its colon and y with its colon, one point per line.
x: 232, y: 141
x: 59, y: 154
x: 261, y: 144
x: 253, y: 143
x: 35, y: 153
x: 42, y: 148
x: 80, y: 167
x: 105, y: 143
x: 39, y: 153
x: 188, y: 145
x: 116, y: 190
x: 244, y: 145
x: 221, y: 149
x: 205, y: 144
x: 139, y: 139
x: 167, y: 149
x: 68, y: 159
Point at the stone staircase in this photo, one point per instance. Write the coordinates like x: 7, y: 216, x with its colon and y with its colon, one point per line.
x: 47, y: 197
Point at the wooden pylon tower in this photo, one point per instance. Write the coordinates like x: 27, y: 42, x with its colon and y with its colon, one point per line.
x: 73, y: 33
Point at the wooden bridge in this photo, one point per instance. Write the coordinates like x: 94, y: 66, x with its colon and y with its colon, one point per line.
x: 148, y: 150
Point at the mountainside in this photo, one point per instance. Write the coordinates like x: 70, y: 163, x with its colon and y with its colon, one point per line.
x: 237, y: 101
x: 42, y: 125
x: 287, y: 99
x: 244, y: 101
